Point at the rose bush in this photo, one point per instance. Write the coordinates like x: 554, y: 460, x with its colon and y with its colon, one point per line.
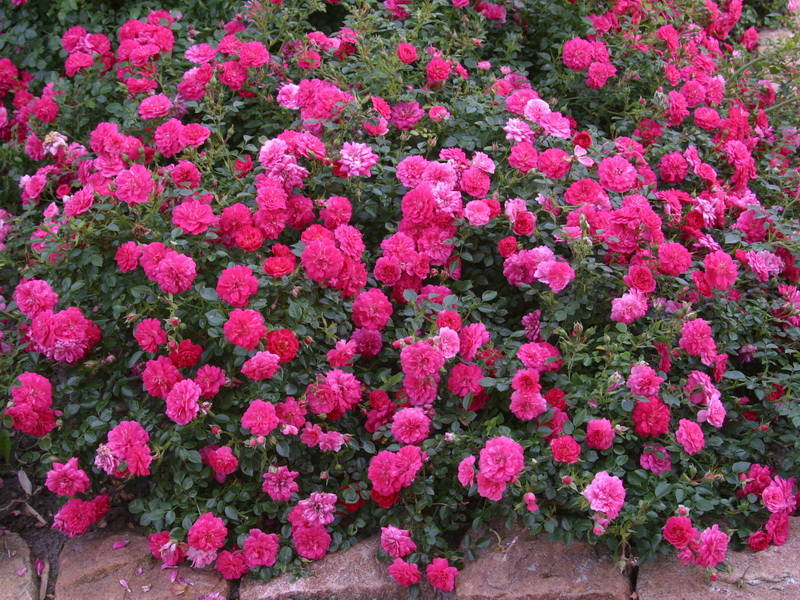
x: 287, y: 283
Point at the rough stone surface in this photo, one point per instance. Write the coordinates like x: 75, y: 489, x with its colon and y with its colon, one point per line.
x: 354, y: 574
x: 17, y: 577
x: 526, y: 567
x: 90, y: 569
x: 773, y: 574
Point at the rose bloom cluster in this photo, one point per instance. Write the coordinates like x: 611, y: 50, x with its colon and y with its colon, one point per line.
x: 398, y: 544
x: 172, y: 271
x: 84, y: 49
x: 65, y: 336
x: 408, y: 295
x: 31, y: 405
x: 500, y: 462
x: 706, y: 548
x: 579, y: 54
x: 126, y: 453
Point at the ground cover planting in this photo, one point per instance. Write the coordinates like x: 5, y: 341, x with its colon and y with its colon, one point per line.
x: 325, y: 270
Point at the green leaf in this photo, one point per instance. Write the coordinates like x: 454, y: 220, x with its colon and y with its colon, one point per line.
x: 661, y: 489
x: 350, y: 496
x: 295, y: 311
x: 550, y: 525
x: 215, y: 318
x: 209, y: 294
x: 134, y: 358
x: 282, y: 448
x: 193, y: 456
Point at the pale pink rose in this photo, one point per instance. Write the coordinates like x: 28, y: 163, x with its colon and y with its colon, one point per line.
x: 606, y: 494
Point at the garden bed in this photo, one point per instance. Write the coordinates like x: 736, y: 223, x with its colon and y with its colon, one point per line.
x: 327, y: 271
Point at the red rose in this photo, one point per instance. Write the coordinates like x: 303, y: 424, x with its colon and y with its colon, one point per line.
x: 651, y: 418
x: 599, y: 434
x: 478, y: 401
x: 278, y: 266
x: 494, y: 207
x: 194, y: 135
x: 525, y: 223
x: 555, y: 424
x: 284, y: 343
x: 582, y: 139
x: 385, y: 501
x: 750, y: 415
x: 679, y: 531
x: 243, y: 167
x: 649, y: 130
x: 758, y: 541
x: 694, y: 220
x: 185, y: 354
x: 776, y: 393
x: 556, y: 398
x: 640, y: 278
x: 778, y: 528
x: 406, y: 53
x: 248, y: 238
x: 309, y: 60
x: 507, y: 246
x: 565, y: 449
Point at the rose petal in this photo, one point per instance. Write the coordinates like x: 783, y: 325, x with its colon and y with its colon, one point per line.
x: 121, y: 544
x: 178, y: 589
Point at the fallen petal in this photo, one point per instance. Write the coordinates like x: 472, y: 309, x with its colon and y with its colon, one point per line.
x: 178, y: 589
